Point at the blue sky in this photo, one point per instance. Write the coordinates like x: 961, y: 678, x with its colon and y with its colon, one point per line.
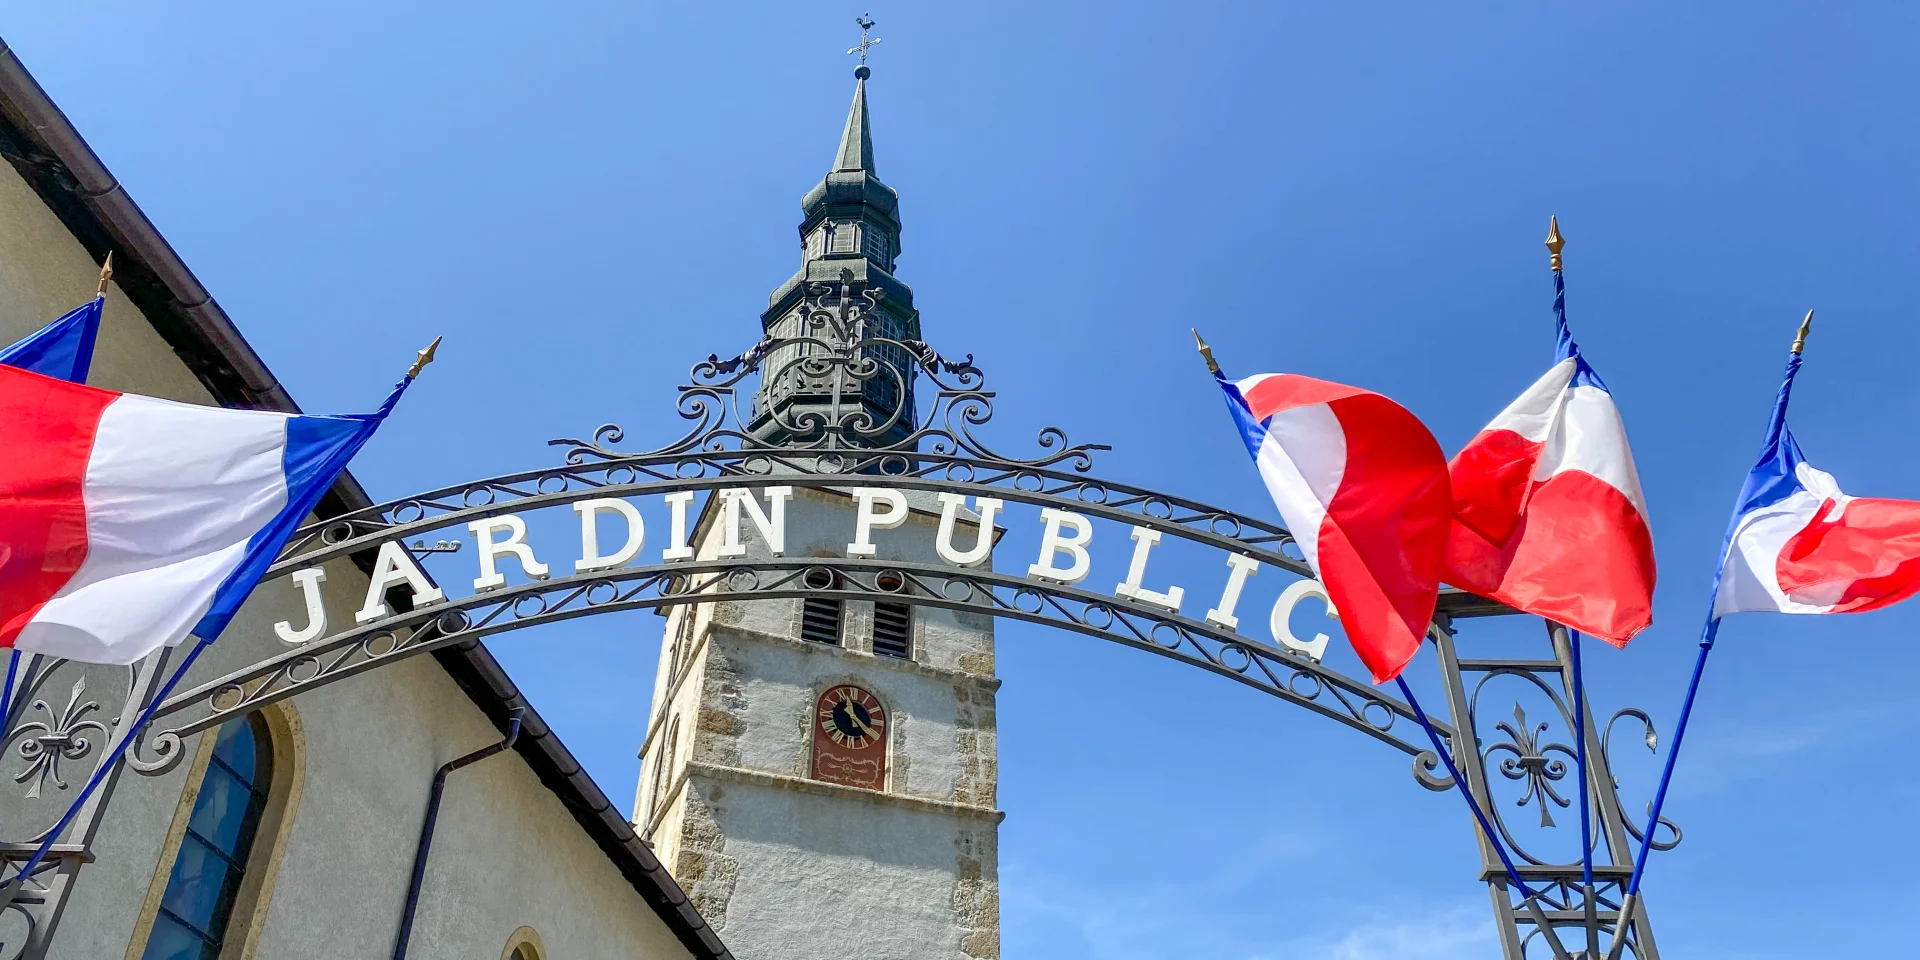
x: 587, y: 197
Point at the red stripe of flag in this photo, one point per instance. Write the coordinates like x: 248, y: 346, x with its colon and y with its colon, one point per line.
x: 1393, y: 509
x: 47, y: 428
x: 1383, y: 544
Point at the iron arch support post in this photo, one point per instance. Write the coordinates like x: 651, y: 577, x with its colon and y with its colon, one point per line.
x: 1563, y: 911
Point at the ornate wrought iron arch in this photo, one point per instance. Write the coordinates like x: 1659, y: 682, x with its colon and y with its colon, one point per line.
x: 1280, y: 673
x: 845, y: 440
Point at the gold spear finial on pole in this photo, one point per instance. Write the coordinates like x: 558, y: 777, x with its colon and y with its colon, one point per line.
x: 106, y: 274
x: 423, y: 358
x: 1554, y: 243
x: 1207, y: 352
x: 1800, y: 339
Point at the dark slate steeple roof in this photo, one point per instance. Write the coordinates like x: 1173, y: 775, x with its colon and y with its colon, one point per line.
x: 856, y: 144
x: 852, y: 181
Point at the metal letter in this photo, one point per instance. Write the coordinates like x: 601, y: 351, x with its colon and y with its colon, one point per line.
x: 1239, y: 569
x: 950, y: 506
x: 395, y: 566
x: 866, y: 521
x: 772, y: 522
x: 490, y: 550
x: 677, y: 548
x: 1283, y: 612
x: 1144, y: 539
x: 1051, y: 543
x: 308, y: 581
x: 589, y: 511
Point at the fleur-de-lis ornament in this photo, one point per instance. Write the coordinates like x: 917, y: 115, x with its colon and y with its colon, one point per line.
x: 62, y: 736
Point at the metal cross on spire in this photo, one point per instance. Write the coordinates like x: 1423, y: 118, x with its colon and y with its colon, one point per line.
x: 865, y: 21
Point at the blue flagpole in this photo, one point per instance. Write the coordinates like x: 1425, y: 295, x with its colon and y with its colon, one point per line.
x: 1530, y: 897
x: 6, y: 696
x: 63, y: 349
x: 9, y: 886
x: 1565, y: 347
x: 1446, y: 757
x: 1769, y: 450
x: 1707, y: 634
x: 1580, y: 759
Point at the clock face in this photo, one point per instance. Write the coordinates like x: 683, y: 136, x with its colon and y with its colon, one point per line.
x: 852, y: 718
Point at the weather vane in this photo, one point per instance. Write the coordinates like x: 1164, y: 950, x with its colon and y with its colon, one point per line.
x: 865, y: 21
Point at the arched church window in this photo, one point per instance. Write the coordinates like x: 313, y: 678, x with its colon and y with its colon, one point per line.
x: 197, y: 907
x: 850, y: 732
x: 523, y: 944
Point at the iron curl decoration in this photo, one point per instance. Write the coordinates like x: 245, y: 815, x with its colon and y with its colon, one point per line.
x: 838, y: 358
x: 1652, y: 741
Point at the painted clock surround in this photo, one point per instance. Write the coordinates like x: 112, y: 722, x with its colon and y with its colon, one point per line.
x: 851, y: 728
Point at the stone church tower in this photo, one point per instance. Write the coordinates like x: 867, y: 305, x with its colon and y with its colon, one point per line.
x: 820, y: 774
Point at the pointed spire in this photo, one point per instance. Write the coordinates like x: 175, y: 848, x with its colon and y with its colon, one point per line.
x: 856, y: 144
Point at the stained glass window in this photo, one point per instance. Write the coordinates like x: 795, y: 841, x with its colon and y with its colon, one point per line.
x: 192, y: 923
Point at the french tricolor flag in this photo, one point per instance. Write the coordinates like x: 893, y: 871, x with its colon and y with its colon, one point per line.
x: 128, y: 523
x: 1548, y: 514
x: 62, y: 349
x: 1797, y: 544
x: 1362, y: 485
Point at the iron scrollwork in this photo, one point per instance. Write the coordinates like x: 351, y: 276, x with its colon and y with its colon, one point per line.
x: 1652, y: 741
x: 837, y: 353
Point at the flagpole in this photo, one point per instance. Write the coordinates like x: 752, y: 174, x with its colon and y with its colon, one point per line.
x: 1580, y: 760
x: 9, y: 888
x: 14, y: 656
x: 1555, y: 243
x: 1419, y: 715
x: 1530, y: 899
x: 1707, y: 635
x: 6, y: 694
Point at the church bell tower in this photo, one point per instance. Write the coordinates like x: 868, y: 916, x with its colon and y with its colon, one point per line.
x: 819, y: 773
x: 849, y: 234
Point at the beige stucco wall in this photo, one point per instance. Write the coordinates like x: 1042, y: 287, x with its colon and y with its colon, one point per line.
x: 507, y: 854
x: 44, y: 272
